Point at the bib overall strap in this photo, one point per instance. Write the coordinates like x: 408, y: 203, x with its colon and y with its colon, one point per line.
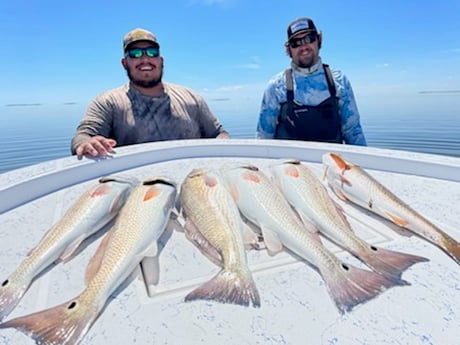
x: 289, y: 92
x: 330, y: 81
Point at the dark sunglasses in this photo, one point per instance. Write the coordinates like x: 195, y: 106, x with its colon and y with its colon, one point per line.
x: 308, y: 38
x: 136, y: 53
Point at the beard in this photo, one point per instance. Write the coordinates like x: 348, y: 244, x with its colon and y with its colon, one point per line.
x: 145, y: 83
x: 305, y: 65
x: 306, y: 62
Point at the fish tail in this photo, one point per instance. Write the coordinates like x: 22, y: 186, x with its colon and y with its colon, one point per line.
x: 228, y: 287
x: 451, y: 247
x: 10, y: 296
x: 392, y: 263
x: 350, y: 286
x: 64, y: 324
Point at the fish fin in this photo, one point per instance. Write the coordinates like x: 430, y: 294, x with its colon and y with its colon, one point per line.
x: 150, y: 269
x: 256, y: 240
x: 177, y: 207
x: 250, y: 238
x: 324, y: 177
x: 117, y: 204
x: 272, y: 241
x: 350, y: 286
x: 308, y: 223
x: 67, y: 254
x: 176, y: 221
x: 205, y: 247
x: 341, y: 195
x: 399, y: 230
x: 391, y: 263
x: 341, y: 213
x: 228, y: 287
x: 64, y: 324
x: 344, y: 180
x: 10, y: 294
x: 96, y: 261
x: 152, y: 250
x: 341, y: 163
x: 396, y: 219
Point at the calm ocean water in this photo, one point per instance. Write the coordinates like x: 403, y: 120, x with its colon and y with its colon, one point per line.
x: 33, y: 134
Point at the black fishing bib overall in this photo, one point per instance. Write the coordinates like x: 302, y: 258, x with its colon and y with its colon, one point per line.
x: 313, y: 123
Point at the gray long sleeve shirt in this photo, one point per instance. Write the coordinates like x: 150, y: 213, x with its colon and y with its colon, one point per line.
x: 129, y: 117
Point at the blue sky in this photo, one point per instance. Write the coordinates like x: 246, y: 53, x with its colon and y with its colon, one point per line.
x: 69, y: 51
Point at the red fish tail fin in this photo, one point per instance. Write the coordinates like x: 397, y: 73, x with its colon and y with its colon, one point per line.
x: 10, y: 295
x: 64, y: 324
x: 391, y: 263
x: 350, y: 286
x: 228, y: 287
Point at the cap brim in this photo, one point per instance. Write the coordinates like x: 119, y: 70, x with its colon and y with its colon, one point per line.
x: 300, y: 32
x: 150, y: 41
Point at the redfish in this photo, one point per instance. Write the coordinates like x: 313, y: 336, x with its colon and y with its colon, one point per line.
x: 134, y: 236
x: 351, y: 183
x: 214, y: 225
x: 305, y: 192
x: 262, y: 203
x: 92, y: 211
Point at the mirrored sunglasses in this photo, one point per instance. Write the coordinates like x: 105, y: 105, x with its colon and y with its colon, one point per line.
x: 136, y: 53
x: 308, y: 38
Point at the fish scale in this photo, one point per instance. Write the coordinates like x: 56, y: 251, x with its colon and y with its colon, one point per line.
x: 134, y: 235
x: 305, y: 192
x: 352, y: 183
x: 260, y: 201
x: 215, y: 226
x: 89, y: 213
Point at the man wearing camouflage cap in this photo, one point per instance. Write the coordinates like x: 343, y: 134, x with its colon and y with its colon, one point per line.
x: 145, y: 109
x: 309, y: 101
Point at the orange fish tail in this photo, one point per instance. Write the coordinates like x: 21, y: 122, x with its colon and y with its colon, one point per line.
x: 62, y: 324
x: 228, y: 287
x: 352, y: 286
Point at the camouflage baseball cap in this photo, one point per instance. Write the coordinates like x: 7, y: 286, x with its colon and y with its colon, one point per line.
x: 139, y: 35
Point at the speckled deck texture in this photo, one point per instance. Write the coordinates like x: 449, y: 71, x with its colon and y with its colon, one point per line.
x: 295, y: 305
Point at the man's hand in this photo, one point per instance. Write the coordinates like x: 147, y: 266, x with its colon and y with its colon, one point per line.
x: 97, y: 146
x: 223, y: 135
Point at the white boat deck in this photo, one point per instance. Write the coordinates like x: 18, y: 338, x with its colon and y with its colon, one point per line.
x: 295, y: 305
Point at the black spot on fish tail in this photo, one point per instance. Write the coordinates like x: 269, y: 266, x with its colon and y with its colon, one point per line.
x: 72, y: 305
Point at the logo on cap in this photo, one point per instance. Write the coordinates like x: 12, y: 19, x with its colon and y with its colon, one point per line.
x: 300, y: 25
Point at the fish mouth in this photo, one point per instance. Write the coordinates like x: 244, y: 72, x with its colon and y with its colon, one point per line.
x: 293, y: 161
x: 197, y: 172
x: 159, y: 180
x: 131, y: 180
x: 249, y: 167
